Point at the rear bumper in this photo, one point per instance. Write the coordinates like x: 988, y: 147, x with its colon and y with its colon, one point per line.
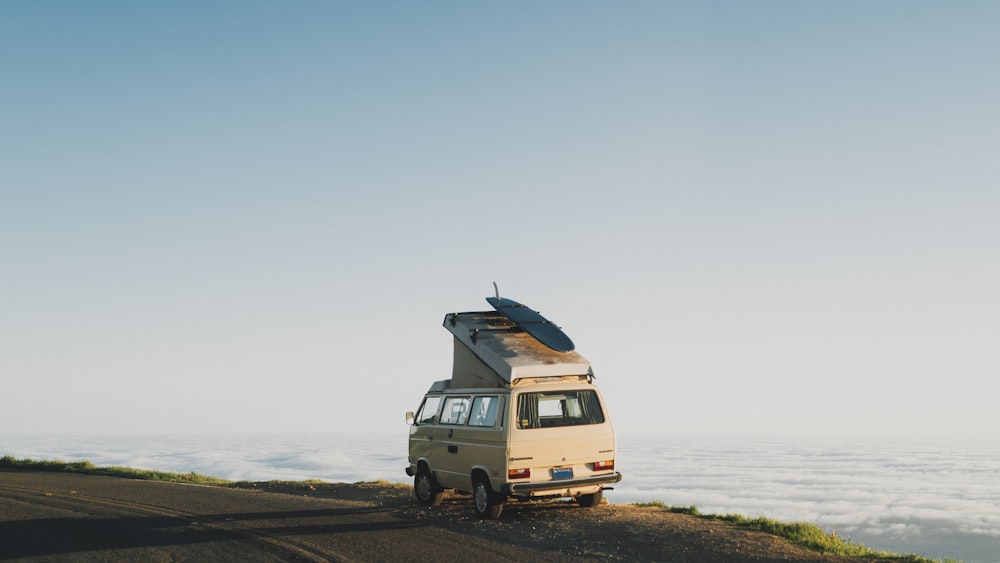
x: 521, y: 488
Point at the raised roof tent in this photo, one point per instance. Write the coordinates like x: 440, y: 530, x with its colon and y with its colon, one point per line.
x: 491, y: 351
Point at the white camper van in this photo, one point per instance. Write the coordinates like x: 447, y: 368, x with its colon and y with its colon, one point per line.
x: 520, y: 416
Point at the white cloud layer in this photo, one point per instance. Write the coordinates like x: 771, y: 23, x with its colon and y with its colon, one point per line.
x: 938, y: 498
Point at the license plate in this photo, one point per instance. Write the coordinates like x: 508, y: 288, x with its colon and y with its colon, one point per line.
x: 562, y: 473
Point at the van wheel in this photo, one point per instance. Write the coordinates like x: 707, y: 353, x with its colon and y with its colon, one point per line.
x: 590, y: 501
x: 426, y: 488
x: 488, y: 504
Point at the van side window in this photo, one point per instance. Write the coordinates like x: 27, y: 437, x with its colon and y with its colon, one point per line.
x: 484, y: 411
x: 428, y: 410
x: 456, y: 410
x: 558, y: 408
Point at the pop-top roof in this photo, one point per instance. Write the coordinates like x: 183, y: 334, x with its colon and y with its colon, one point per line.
x: 505, y: 349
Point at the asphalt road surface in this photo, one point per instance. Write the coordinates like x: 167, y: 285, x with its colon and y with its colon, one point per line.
x: 65, y: 517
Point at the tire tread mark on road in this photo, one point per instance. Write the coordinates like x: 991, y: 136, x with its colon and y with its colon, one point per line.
x: 298, y: 548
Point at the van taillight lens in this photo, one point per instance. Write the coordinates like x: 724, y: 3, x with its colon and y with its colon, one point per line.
x: 604, y: 465
x: 518, y: 473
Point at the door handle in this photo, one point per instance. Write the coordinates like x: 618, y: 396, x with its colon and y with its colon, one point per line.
x: 453, y: 449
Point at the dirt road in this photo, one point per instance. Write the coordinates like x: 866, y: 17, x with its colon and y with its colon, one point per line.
x: 63, y: 517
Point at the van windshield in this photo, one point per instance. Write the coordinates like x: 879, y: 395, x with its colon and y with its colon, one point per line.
x: 558, y: 408
x: 429, y: 410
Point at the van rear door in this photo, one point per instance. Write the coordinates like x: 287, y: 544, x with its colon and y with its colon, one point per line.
x: 560, y: 435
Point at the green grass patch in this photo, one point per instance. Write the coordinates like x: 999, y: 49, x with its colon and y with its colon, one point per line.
x: 393, y: 486
x: 87, y: 468
x: 804, y: 534
x: 689, y: 510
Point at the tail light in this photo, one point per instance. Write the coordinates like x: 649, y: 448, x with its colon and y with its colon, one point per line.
x: 604, y: 465
x: 518, y: 473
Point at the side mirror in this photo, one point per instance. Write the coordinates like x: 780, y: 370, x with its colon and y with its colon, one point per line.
x: 409, y: 417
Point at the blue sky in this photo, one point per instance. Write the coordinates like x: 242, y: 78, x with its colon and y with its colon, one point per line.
x: 768, y: 217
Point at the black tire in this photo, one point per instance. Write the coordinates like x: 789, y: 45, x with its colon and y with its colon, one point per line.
x: 590, y: 501
x: 426, y: 489
x: 488, y: 504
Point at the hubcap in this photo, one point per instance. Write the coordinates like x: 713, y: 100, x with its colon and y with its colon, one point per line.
x: 481, y: 498
x: 424, y: 487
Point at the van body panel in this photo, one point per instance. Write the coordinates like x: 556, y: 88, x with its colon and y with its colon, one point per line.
x: 469, y: 450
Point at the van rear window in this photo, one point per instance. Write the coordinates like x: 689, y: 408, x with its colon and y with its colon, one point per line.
x: 558, y: 408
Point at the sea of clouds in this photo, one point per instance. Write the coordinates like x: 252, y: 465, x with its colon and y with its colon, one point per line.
x: 939, y: 498
x: 936, y: 497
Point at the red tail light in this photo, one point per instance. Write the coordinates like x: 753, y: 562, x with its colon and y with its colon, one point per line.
x: 604, y: 465
x: 518, y: 473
